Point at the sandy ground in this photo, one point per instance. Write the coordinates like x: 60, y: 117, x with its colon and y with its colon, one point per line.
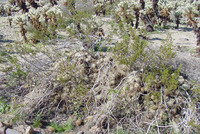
x: 184, y: 41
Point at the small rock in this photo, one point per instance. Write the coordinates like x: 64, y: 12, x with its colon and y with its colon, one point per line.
x: 12, y: 131
x: 5, y: 124
x: 2, y: 130
x: 142, y: 89
x: 29, y: 130
x: 78, y: 122
x: 185, y: 86
x: 1, y: 124
x: 20, y: 128
x: 99, y: 97
x: 183, y: 39
x: 146, y: 89
x: 50, y: 129
x: 154, y: 107
x: 95, y: 130
x: 181, y: 80
x: 81, y: 132
x: 88, y: 118
x: 170, y: 103
x: 70, y: 133
x: 3, y: 127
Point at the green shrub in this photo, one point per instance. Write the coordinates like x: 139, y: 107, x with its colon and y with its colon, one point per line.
x: 4, y: 106
x: 36, y: 121
x: 130, y: 49
x: 44, y: 34
x: 66, y: 127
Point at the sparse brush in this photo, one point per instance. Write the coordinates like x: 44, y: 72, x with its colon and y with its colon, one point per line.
x: 130, y: 50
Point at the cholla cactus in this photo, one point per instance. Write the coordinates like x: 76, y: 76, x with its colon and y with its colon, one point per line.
x: 196, y: 6
x: 21, y: 22
x: 136, y: 6
x: 8, y: 10
x: 165, y: 7
x: 70, y: 4
x: 177, y: 13
x: 12, y: 2
x: 99, y: 7
x: 149, y: 12
x: 127, y: 11
x: 33, y: 3
x: 155, y: 7
x: 2, y: 10
x: 22, y: 5
x: 44, y: 10
x: 10, y: 21
x: 124, y: 13
x: 53, y: 2
x: 34, y: 17
x: 190, y: 12
x: 53, y: 13
x: 142, y: 2
x: 148, y: 17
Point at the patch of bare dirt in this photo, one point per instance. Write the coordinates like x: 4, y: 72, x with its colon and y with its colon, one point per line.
x: 184, y: 41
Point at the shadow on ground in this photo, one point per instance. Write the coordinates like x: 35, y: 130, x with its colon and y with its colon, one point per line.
x: 156, y: 39
x: 187, y: 29
x: 6, y: 41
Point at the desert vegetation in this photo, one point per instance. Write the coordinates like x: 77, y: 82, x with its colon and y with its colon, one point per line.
x: 83, y: 66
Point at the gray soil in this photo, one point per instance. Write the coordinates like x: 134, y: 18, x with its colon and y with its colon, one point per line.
x: 184, y: 41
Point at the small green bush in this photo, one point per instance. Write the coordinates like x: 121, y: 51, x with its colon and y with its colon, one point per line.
x: 36, y: 121
x: 4, y: 106
x: 130, y: 49
x: 66, y: 127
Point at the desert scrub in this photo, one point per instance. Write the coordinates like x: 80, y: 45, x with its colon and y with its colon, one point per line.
x: 15, y: 75
x: 4, y: 105
x: 37, y: 120
x: 159, y: 59
x: 87, y: 28
x: 65, y: 127
x: 158, y: 69
x: 130, y: 49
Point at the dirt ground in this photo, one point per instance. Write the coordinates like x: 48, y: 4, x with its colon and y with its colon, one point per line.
x: 184, y: 41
